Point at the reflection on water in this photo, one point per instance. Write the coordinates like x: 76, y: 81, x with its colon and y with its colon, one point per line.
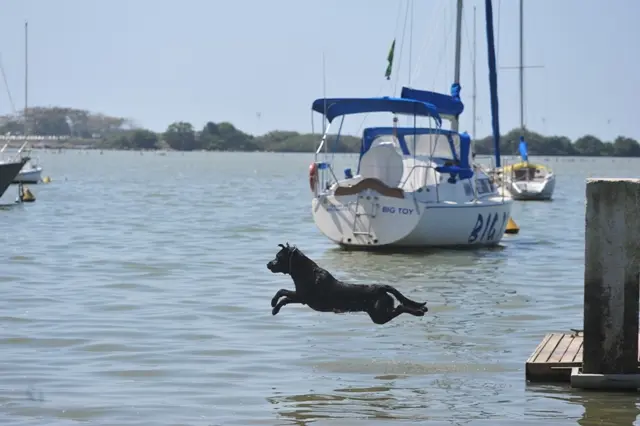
x: 605, y: 409
x: 597, y: 408
x: 346, y: 405
x: 372, y: 403
x: 426, y: 264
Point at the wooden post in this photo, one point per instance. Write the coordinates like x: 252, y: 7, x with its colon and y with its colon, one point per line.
x: 611, y: 277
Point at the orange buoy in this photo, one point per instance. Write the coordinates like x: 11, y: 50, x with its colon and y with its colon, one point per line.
x: 512, y: 227
x: 313, y: 176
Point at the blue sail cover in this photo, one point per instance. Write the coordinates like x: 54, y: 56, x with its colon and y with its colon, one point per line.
x: 336, y: 107
x: 446, y: 105
x: 463, y: 170
x: 524, y: 153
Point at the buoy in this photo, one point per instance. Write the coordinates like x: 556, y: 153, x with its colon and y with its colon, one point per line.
x: 313, y: 176
x: 25, y: 195
x: 512, y: 227
x: 46, y: 179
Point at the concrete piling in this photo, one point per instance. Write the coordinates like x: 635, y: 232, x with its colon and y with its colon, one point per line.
x: 611, y: 278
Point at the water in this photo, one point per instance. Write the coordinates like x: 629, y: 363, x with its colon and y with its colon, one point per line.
x: 135, y: 292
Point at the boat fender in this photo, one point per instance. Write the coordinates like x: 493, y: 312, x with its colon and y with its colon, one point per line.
x: 313, y: 176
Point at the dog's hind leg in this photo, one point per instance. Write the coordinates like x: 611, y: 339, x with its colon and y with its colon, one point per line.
x: 280, y: 293
x: 384, y: 316
x: 402, y: 298
x: 282, y: 303
x: 383, y: 311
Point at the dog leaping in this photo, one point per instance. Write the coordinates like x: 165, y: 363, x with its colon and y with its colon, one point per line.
x: 318, y: 289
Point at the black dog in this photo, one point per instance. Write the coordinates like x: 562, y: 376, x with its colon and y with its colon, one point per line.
x: 318, y: 289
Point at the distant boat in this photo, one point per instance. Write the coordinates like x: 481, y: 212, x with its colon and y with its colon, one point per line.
x: 8, y: 172
x: 31, y: 172
x: 524, y: 180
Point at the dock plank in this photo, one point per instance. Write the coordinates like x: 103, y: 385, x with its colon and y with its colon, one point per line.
x: 578, y: 357
x: 561, y: 348
x: 572, y: 351
x: 541, y: 345
x: 547, y: 351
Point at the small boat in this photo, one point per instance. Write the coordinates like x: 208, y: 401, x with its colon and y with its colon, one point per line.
x: 8, y: 172
x: 525, y: 180
x: 31, y: 173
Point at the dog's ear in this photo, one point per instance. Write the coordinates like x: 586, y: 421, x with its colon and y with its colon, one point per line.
x: 287, y: 244
x: 281, y: 245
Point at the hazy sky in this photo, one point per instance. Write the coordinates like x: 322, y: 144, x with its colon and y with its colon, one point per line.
x: 159, y: 61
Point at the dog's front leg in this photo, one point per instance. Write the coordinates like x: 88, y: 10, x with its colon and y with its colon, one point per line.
x: 280, y: 293
x: 281, y: 303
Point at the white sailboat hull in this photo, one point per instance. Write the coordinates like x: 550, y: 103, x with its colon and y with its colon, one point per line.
x: 379, y: 221
x: 530, y: 190
x: 30, y: 175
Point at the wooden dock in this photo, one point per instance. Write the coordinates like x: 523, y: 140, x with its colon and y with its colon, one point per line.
x: 555, y: 356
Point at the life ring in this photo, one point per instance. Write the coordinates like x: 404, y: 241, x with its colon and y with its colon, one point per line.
x: 313, y: 176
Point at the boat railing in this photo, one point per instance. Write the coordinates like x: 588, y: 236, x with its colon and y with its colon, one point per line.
x: 325, y: 177
x: 475, y: 182
x: 321, y: 145
x: 427, y: 167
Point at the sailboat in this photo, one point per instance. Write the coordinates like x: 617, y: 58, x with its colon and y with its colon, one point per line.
x: 8, y: 172
x: 525, y: 180
x: 414, y: 186
x: 31, y: 171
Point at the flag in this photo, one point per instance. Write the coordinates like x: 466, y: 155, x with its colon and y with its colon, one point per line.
x: 387, y: 74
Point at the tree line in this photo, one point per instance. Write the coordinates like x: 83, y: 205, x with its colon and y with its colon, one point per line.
x: 102, y: 131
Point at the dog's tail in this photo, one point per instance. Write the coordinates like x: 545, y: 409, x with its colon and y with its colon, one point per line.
x: 402, y: 298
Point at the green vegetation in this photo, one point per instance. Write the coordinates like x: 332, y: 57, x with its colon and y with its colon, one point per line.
x: 89, y: 130
x: 538, y: 144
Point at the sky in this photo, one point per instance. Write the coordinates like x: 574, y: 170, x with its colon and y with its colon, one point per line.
x: 259, y: 64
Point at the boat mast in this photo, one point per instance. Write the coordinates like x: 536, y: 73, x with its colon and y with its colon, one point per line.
x: 521, y: 76
x: 473, y: 126
x: 521, y: 69
x: 26, y: 78
x: 324, y: 95
x: 493, y: 80
x: 456, y: 76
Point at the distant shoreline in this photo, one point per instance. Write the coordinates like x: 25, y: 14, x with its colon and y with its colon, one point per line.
x: 97, y: 145
x: 82, y: 129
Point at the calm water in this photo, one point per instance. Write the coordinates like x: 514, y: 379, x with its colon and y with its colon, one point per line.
x: 135, y: 292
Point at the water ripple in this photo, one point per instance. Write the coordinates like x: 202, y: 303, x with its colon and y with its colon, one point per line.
x: 145, y: 300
